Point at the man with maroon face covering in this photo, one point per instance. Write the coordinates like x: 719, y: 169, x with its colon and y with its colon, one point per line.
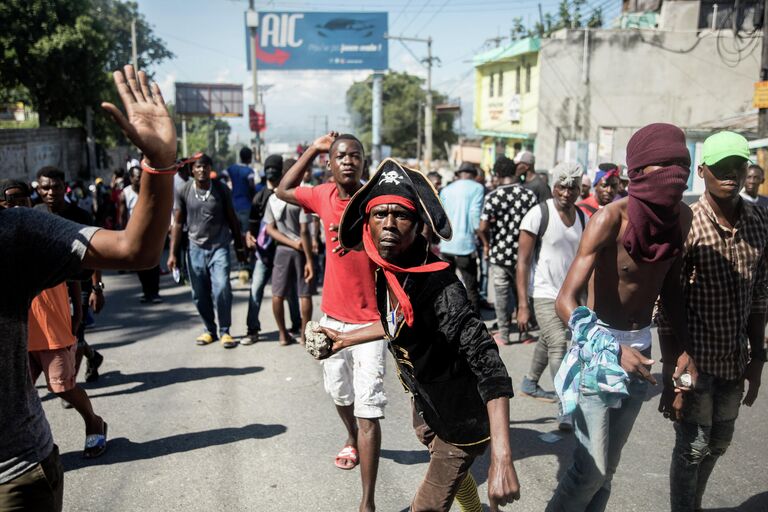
x: 629, y: 254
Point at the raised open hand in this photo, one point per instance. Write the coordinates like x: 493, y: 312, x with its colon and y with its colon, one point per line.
x: 323, y: 143
x: 148, y: 125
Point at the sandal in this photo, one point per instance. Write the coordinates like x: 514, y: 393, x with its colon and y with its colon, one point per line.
x: 95, y: 444
x: 347, y: 454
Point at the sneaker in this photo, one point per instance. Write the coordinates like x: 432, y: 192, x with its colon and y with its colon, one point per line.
x: 156, y: 299
x: 228, y: 341
x: 92, y: 365
x: 565, y: 423
x: 205, y: 339
x: 250, y: 338
x: 532, y: 389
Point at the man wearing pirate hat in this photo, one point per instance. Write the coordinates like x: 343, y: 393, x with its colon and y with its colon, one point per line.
x: 445, y: 356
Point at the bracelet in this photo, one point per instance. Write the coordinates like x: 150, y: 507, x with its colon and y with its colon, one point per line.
x: 165, y: 170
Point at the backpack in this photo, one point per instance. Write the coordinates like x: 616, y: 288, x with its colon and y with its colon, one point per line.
x: 545, y: 223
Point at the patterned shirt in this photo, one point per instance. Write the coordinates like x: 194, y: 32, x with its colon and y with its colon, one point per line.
x: 504, y: 209
x: 724, y: 281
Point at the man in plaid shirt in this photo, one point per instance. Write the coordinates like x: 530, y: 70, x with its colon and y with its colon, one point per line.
x: 726, y: 293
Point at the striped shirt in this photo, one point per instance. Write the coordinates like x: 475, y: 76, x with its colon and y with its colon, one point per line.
x: 724, y: 281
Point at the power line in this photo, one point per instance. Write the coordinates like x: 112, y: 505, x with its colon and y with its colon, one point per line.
x: 400, y: 13
x: 416, y: 16
x: 440, y: 10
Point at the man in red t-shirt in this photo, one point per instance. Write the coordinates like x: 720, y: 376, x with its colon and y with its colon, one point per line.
x: 354, y: 377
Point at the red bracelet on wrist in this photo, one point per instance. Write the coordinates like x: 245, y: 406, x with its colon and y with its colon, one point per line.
x: 165, y: 170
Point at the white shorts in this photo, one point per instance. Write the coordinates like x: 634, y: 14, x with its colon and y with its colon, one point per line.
x: 355, y: 375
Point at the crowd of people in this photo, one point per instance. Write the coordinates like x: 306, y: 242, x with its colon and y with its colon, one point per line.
x: 591, y: 262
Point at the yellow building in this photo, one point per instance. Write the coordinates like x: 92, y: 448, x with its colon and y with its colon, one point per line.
x: 507, y: 98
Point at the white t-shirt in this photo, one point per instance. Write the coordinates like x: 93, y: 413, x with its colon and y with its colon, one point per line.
x: 558, y: 249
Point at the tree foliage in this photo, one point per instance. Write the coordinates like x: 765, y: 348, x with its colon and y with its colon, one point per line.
x: 403, y: 98
x: 201, y: 136
x: 57, y: 55
x: 569, y: 15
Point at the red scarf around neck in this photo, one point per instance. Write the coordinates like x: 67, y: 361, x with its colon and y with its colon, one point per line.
x: 391, y: 270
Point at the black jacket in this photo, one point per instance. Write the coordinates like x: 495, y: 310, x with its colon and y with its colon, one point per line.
x: 447, y: 360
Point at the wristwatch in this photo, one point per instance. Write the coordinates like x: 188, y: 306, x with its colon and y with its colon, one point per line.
x: 98, y: 286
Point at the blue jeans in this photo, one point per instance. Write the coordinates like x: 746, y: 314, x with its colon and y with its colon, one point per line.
x: 209, y: 276
x: 602, y: 433
x: 702, y: 437
x: 261, y: 275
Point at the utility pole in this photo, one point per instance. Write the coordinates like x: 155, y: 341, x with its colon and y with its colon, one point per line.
x: 135, y: 59
x: 428, y: 110
x: 418, y: 131
x: 376, y: 120
x: 762, y: 115
x: 428, y: 107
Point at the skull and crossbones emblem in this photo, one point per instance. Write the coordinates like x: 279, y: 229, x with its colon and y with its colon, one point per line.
x: 391, y: 177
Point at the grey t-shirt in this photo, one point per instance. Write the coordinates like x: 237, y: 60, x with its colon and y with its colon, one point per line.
x: 38, y: 250
x: 287, y: 217
x: 538, y: 187
x: 206, y: 214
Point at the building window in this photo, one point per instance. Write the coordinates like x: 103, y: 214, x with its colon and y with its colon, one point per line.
x: 501, y: 83
x: 490, y: 85
x: 527, y: 78
x: 517, y: 80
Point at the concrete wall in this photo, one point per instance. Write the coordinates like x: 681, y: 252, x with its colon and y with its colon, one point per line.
x: 24, y: 152
x: 637, y: 77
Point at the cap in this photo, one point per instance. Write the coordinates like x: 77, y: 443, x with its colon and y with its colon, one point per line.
x: 8, y: 184
x: 393, y: 179
x: 525, y: 157
x: 468, y: 167
x: 274, y: 162
x: 722, y: 145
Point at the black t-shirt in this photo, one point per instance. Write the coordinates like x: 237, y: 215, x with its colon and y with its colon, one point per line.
x: 447, y: 360
x: 538, y: 187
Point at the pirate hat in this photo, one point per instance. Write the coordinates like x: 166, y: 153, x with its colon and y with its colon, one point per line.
x: 392, y: 178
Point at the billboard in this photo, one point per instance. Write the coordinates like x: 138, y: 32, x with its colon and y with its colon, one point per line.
x: 220, y: 100
x: 321, y: 40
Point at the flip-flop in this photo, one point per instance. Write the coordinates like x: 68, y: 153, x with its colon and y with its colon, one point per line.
x: 348, y: 453
x: 95, y: 444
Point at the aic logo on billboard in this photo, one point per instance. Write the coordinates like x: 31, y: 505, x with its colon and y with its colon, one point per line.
x: 321, y: 40
x: 279, y: 30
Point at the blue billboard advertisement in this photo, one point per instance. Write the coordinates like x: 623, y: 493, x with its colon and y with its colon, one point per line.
x: 321, y: 40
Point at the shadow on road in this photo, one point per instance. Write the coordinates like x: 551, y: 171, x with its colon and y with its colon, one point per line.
x: 757, y: 503
x: 152, y: 380
x: 407, y: 457
x: 525, y: 444
x: 122, y: 449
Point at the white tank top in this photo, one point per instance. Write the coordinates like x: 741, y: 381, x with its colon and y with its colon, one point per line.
x: 131, y: 198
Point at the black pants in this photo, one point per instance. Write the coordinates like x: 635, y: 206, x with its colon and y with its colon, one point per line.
x: 150, y: 281
x: 467, y: 266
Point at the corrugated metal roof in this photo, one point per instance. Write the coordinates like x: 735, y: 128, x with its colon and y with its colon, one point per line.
x: 527, y: 45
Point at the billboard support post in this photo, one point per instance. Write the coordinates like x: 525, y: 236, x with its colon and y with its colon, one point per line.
x: 253, y: 24
x: 376, y: 120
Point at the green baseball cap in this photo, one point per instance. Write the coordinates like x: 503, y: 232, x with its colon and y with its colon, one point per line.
x: 722, y: 145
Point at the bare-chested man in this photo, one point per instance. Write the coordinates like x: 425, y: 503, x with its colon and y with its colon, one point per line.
x: 626, y: 253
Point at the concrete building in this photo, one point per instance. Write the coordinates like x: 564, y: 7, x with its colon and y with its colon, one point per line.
x: 597, y: 87
x: 506, y: 98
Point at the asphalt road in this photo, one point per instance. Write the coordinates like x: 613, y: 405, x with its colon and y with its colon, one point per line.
x: 204, y: 429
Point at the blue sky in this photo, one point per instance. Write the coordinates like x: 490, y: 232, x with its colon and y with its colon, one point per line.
x: 207, y: 37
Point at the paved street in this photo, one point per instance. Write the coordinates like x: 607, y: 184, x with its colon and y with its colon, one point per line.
x: 203, y: 428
